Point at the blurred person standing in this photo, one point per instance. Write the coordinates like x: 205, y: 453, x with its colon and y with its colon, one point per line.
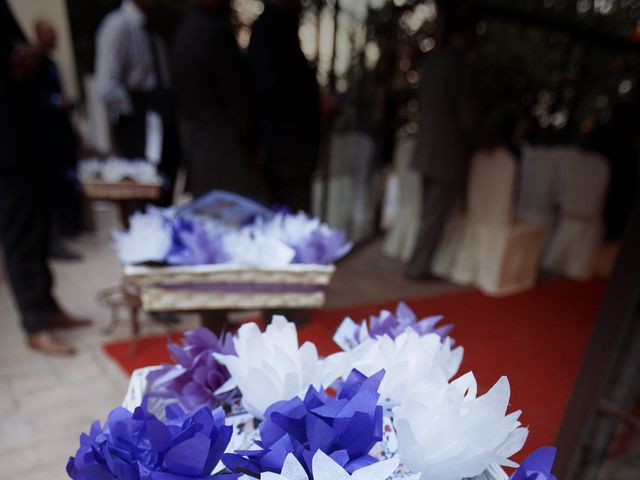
x: 214, y: 96
x: 25, y: 189
x: 287, y: 96
x: 63, y: 147
x: 446, y: 131
x: 132, y: 74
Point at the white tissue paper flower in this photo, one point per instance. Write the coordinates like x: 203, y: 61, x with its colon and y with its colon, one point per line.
x: 255, y: 249
x: 446, y: 432
x: 324, y: 468
x: 269, y: 367
x: 290, y: 228
x: 148, y: 238
x: 407, y: 360
x: 116, y: 169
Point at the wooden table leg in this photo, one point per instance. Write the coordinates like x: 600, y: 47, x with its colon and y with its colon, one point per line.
x: 132, y: 296
x: 215, y: 320
x: 134, y: 311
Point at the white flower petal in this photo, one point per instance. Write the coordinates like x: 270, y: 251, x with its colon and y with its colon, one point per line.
x: 447, y: 433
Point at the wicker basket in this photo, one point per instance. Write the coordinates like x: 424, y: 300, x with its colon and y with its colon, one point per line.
x: 210, y: 287
x: 122, y: 190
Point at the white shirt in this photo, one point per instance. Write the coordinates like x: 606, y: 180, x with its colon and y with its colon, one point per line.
x: 124, y: 61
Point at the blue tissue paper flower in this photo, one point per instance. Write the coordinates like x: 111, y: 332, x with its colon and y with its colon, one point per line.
x: 345, y: 427
x: 393, y: 325
x: 537, y: 466
x: 138, y: 446
x: 197, y: 375
x: 350, y: 334
x: 195, y: 242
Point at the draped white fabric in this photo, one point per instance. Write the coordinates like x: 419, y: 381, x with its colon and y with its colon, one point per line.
x: 401, y: 238
x: 583, y: 182
x: 350, y: 191
x: 488, y: 248
x: 548, y: 215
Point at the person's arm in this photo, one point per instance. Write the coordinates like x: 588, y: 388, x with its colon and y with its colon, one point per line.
x: 110, y: 54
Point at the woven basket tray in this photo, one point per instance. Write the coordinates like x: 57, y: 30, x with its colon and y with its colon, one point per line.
x: 122, y: 190
x: 210, y: 287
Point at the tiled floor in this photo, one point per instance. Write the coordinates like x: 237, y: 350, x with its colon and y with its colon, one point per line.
x: 46, y: 402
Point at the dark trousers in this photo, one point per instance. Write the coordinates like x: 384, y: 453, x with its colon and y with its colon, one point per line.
x: 293, y: 193
x: 437, y: 204
x: 25, y: 214
x: 130, y: 135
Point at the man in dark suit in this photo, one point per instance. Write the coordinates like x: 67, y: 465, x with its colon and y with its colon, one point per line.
x: 446, y: 131
x: 25, y: 189
x: 214, y: 96
x: 287, y: 97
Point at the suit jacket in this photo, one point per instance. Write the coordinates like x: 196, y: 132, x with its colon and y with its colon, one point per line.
x: 21, y: 126
x: 214, y: 96
x: 286, y: 93
x: 448, y: 117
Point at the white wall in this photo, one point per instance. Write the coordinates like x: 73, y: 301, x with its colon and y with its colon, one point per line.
x: 54, y: 11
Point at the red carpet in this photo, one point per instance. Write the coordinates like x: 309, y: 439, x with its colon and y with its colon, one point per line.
x: 536, y: 338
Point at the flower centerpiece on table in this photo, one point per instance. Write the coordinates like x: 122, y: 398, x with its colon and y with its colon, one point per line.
x: 164, y: 235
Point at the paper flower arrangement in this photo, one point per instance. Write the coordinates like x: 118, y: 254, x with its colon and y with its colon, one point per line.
x: 349, y: 334
x: 446, y: 432
x: 396, y: 413
x: 279, y: 241
x: 345, y: 427
x: 139, y: 446
x: 409, y: 359
x: 197, y: 375
x: 270, y: 366
x: 325, y: 468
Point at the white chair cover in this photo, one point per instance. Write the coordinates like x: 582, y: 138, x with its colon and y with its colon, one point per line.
x: 488, y: 249
x: 574, y: 244
x: 350, y: 206
x: 489, y: 203
x: 538, y: 188
x: 401, y: 239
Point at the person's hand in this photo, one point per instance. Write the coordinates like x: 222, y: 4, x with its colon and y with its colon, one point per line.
x: 24, y: 60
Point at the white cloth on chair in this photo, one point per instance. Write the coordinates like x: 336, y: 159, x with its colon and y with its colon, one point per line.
x: 538, y: 190
x: 401, y: 239
x: 488, y: 249
x: 350, y: 195
x: 576, y: 241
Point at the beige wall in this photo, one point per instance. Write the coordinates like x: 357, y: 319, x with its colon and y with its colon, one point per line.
x: 54, y: 11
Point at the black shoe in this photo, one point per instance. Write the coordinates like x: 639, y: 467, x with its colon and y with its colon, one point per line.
x: 420, y: 277
x: 60, y: 252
